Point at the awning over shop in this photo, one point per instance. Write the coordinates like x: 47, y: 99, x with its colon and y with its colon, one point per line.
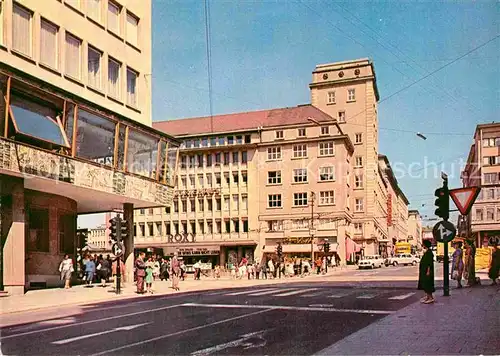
x: 351, y: 246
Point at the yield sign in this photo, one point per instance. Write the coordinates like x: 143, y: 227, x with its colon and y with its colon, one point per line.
x: 464, y: 198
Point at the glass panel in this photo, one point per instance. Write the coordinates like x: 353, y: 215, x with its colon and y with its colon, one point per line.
x: 70, y: 116
x: 163, y: 156
x: 95, y: 138
x: 37, y: 120
x: 171, y: 163
x: 141, y: 154
x: 121, y: 148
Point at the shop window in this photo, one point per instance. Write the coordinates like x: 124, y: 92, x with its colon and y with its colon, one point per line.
x: 141, y: 154
x: 38, y: 238
x: 67, y: 232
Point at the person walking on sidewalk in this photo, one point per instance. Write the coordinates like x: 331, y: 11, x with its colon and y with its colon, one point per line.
x: 175, y: 272
x: 66, y: 269
x: 140, y: 272
x: 426, y: 274
x: 457, y: 266
x: 150, y: 266
x: 90, y: 271
x: 494, y: 269
x: 103, y: 271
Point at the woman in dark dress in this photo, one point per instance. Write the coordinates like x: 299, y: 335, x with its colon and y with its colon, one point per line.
x: 426, y: 274
x: 494, y: 265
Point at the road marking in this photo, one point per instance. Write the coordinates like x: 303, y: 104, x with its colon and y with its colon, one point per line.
x: 216, y: 293
x: 295, y: 292
x: 311, y: 294
x: 402, y: 297
x: 321, y: 305
x: 179, y: 332
x: 366, y: 296
x: 339, y: 295
x: 251, y: 291
x: 87, y: 336
x: 275, y: 290
x: 88, y: 322
x: 284, y: 307
x: 244, y: 341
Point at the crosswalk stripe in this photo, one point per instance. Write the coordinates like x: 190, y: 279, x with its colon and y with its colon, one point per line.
x: 275, y: 290
x: 366, y: 296
x: 339, y: 295
x: 294, y: 292
x: 251, y: 291
x: 402, y: 297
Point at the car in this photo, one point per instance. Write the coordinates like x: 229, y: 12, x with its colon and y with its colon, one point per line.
x: 374, y: 261
x: 404, y: 259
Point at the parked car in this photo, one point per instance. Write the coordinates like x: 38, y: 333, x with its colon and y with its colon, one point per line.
x: 374, y: 261
x: 404, y: 259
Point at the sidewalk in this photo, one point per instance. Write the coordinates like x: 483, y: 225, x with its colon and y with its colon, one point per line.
x: 467, y: 322
x: 79, y: 295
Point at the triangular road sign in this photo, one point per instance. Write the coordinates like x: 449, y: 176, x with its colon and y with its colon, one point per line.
x: 464, y: 198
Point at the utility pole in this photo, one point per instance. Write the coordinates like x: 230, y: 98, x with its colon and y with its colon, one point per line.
x: 311, y: 229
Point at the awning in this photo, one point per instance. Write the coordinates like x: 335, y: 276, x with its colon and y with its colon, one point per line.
x: 351, y: 246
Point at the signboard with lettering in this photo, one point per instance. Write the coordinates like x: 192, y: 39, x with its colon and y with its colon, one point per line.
x: 297, y: 240
x: 181, y: 238
x: 198, y: 251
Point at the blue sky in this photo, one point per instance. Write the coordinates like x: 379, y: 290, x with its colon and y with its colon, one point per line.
x: 263, y: 53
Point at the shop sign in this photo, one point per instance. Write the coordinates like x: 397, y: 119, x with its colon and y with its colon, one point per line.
x: 297, y: 240
x: 198, y: 251
x: 181, y: 238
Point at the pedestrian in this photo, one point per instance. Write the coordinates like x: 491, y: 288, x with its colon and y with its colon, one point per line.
x: 217, y: 272
x: 175, y: 272
x: 270, y: 270
x: 150, y: 266
x: 233, y: 270
x: 457, y: 265
x: 318, y: 265
x: 494, y: 269
x: 426, y: 274
x: 140, y: 272
x: 90, y: 271
x: 103, y: 270
x: 197, y: 270
x: 164, y: 270
x: 66, y: 269
x: 257, y: 270
x: 156, y: 268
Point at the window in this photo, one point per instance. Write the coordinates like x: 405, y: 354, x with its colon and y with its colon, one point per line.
x: 299, y: 151
x: 192, y: 181
x: 300, y: 175
x: 114, y: 78
x: 230, y: 140
x: 358, y: 181
x: 479, y: 214
x: 491, y: 142
x: 279, y: 134
x: 192, y: 161
x: 192, y: 204
x: 94, y: 68
x: 325, y: 130
x: 218, y: 227
x: 114, y: 17
x: 176, y: 206
x: 236, y: 179
x: 275, y: 225
x: 245, y: 225
x: 49, y: 48
x: 359, y: 205
x: 184, y: 206
x: 210, y: 204
x: 158, y: 229
x: 274, y: 153
x: 244, y: 202
x: 143, y: 229
x: 490, y: 214
x: 209, y: 179
x: 167, y: 210
x: 200, y: 180
x: 358, y: 138
x: 218, y: 204
x: 236, y: 156
x: 248, y: 139
x: 226, y: 203
x: 200, y: 160
x: 327, y: 174
x: 331, y: 97
x: 131, y: 87
x: 274, y: 177
x: 244, y: 177
x: 327, y: 148
x: 239, y: 139
x: 358, y: 228
x: 209, y: 160
x: 300, y: 199
x: 183, y: 182
x: 236, y: 202
x: 217, y: 179
x: 327, y: 197
x: 73, y: 56
x: 150, y: 211
x: 22, y: 34
x: 301, y: 132
x: 351, y: 95
x: 491, y: 178
x: 132, y: 29
x: 141, y: 211
x: 94, y: 9
x: 300, y: 224
x: 274, y: 201
x: 38, y: 238
x: 341, y: 116
x: 217, y: 158
x: 227, y: 226
x: 244, y: 157
x: 359, y: 161
x: 202, y: 226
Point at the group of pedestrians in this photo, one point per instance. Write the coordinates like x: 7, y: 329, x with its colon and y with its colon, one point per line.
x: 151, y: 269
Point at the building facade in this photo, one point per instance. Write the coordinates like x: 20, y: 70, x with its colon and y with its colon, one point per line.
x: 298, y: 176
x: 483, y: 170
x: 415, y: 229
x: 75, y: 128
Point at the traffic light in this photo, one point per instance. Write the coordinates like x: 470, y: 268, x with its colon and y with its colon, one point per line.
x: 443, y: 201
x: 123, y: 229
x: 327, y: 247
x: 279, y: 249
x: 115, y: 229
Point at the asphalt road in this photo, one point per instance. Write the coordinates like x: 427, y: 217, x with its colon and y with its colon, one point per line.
x: 283, y: 319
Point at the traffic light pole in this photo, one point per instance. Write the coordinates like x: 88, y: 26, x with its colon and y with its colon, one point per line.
x: 118, y: 258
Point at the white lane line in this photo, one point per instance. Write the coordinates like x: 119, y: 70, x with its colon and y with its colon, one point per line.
x: 312, y: 294
x: 366, y: 296
x: 284, y: 307
x: 401, y: 297
x: 179, y: 332
x: 87, y: 336
x: 216, y: 293
x: 88, y: 322
x: 300, y: 291
x: 339, y: 295
x: 251, y: 291
x: 275, y: 290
